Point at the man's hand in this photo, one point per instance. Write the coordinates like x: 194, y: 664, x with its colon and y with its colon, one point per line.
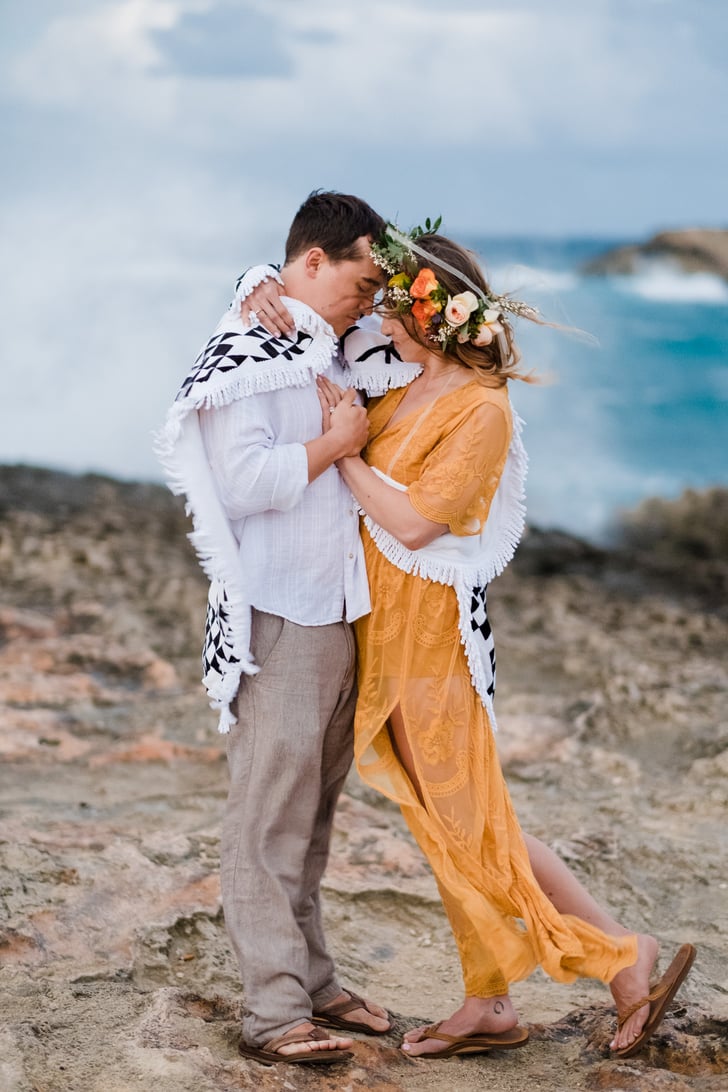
x: 264, y: 305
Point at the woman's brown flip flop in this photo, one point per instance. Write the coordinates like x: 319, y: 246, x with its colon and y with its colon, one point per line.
x: 658, y: 999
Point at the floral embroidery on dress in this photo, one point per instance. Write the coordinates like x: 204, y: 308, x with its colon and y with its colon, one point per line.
x: 437, y: 743
x: 458, y: 831
x: 393, y: 628
x: 449, y: 480
x: 431, y: 638
x: 453, y: 784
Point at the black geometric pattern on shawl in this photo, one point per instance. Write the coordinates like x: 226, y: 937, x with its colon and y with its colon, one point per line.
x: 217, y: 649
x: 479, y: 624
x: 389, y: 351
x: 226, y: 351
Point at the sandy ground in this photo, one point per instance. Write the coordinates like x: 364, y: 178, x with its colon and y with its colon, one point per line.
x: 116, y: 972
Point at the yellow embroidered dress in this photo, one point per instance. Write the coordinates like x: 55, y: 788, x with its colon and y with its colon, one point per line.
x: 450, y: 455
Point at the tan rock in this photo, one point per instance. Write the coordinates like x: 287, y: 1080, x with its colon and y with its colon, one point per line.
x: 153, y: 748
x: 116, y: 969
x: 28, y: 624
x: 368, y: 855
x: 694, y: 250
x: 38, y: 733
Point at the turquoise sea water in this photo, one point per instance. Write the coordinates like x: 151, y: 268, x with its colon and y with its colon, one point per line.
x: 91, y: 371
x: 641, y: 412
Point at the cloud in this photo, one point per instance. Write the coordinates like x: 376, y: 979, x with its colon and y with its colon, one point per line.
x: 489, y: 77
x: 152, y: 146
x: 501, y: 115
x: 86, y: 59
x: 227, y: 41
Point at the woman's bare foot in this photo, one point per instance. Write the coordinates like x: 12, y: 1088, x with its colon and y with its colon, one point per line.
x: 630, y: 986
x: 373, y: 1016
x: 477, y: 1015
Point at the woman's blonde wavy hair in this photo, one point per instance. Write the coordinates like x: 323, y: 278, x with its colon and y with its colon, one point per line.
x: 493, y: 364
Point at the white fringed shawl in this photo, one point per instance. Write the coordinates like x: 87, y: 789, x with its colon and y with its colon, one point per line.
x: 238, y: 362
x: 373, y: 363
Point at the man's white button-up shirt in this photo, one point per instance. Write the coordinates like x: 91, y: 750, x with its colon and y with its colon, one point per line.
x: 300, y: 552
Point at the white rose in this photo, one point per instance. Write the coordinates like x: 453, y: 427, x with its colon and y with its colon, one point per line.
x: 484, y: 335
x: 455, y: 313
x: 487, y: 331
x: 459, y: 308
x: 469, y: 300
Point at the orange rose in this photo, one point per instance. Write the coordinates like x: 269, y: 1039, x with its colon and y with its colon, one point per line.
x: 423, y: 285
x: 423, y: 310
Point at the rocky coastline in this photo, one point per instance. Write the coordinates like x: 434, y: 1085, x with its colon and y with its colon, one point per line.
x: 114, y: 964
x: 692, y: 250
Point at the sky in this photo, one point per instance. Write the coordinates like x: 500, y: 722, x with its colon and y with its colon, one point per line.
x: 153, y: 148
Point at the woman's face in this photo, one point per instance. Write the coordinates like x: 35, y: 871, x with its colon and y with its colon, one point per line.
x: 409, y: 349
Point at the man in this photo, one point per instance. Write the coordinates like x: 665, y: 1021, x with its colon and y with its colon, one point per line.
x: 277, y: 531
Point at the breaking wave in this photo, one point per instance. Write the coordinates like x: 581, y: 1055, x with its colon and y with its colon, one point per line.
x: 665, y: 283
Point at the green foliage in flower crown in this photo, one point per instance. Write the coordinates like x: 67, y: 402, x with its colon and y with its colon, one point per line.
x: 429, y: 229
x: 393, y: 254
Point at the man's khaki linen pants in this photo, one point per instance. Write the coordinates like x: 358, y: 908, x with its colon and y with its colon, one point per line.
x: 288, y: 755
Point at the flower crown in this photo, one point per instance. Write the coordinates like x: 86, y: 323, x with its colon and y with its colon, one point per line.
x: 468, y: 316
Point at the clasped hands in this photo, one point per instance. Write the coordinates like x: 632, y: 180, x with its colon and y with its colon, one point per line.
x: 340, y: 413
x: 339, y: 410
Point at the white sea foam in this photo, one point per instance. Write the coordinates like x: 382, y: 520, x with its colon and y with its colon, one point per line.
x: 664, y: 282
x: 526, y: 278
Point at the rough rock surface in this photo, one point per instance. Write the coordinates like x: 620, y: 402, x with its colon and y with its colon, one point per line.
x: 115, y: 970
x: 693, y: 250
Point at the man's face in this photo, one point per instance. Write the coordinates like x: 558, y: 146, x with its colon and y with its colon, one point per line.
x: 345, y: 290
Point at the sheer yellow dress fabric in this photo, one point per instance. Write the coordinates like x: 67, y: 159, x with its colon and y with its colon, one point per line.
x: 450, y: 455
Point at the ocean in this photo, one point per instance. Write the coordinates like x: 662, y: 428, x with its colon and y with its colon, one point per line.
x: 638, y: 408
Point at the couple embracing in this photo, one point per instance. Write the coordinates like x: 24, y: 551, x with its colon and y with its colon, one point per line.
x: 328, y: 636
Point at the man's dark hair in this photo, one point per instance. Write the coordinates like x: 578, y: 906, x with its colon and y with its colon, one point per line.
x: 333, y: 221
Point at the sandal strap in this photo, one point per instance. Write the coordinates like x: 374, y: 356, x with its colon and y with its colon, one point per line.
x: 341, y: 1008
x: 295, y: 1036
x: 433, y: 1032
x: 653, y: 995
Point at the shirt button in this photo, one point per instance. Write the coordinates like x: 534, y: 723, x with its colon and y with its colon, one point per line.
x: 351, y: 511
x: 350, y: 556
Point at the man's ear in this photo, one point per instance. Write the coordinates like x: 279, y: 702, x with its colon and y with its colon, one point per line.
x: 314, y: 260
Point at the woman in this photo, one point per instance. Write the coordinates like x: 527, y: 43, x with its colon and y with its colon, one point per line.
x: 440, y: 457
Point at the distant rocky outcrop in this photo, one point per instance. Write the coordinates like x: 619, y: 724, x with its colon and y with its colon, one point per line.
x: 693, y: 250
